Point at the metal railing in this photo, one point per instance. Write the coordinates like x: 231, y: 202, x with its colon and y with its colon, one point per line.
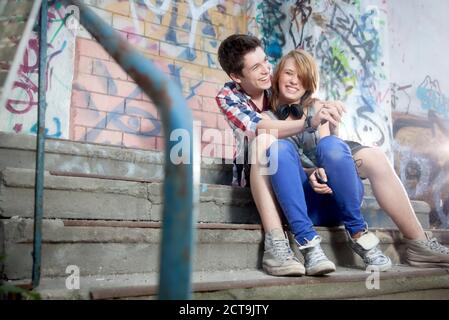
x: 180, y: 200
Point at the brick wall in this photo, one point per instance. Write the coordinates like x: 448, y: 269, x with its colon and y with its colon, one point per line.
x: 107, y: 106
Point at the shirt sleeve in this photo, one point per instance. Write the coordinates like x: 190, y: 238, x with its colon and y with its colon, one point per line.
x: 237, y: 112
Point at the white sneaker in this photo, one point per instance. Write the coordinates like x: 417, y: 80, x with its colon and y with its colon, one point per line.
x: 366, y: 248
x: 278, y: 258
x: 316, y: 262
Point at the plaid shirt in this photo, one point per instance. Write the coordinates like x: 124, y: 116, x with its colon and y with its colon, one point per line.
x: 242, y: 115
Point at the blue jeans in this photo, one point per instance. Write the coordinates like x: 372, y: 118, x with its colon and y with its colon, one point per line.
x: 305, y: 208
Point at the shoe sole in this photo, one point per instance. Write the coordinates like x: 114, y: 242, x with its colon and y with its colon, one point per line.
x: 322, y: 269
x: 287, y: 271
x: 382, y: 268
x: 419, y: 264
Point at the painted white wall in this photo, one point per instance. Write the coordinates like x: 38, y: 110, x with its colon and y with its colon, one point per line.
x: 20, y: 114
x: 419, y: 47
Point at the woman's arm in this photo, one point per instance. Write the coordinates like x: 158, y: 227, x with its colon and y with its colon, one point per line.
x: 327, y: 128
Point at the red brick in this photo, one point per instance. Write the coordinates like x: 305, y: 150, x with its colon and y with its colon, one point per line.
x: 139, y: 141
x: 210, y: 105
x: 195, y: 102
x: 85, y: 65
x: 91, y: 48
x: 124, y: 89
x: 89, y: 118
x: 126, y: 24
x: 123, y: 123
x: 147, y: 126
x: 208, y: 89
x: 191, y: 71
x: 104, y: 136
x: 142, y: 43
x: 212, y: 135
x: 215, y: 75
x: 80, y: 98
x: 140, y: 108
x: 91, y: 83
x: 108, y: 69
x: 79, y: 133
x: 222, y: 123
x: 160, y: 143
x: 162, y: 63
x: 107, y: 103
x: 207, y: 119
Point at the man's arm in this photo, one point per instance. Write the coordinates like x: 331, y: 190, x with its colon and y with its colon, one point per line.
x: 284, y: 128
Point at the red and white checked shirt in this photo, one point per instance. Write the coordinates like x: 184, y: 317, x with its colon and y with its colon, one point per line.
x: 241, y: 114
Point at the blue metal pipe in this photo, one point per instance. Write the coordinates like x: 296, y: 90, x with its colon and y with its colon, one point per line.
x: 179, y: 205
x: 40, y: 147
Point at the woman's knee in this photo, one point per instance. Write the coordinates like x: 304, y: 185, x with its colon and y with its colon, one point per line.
x: 282, y: 152
x: 372, y: 161
x: 332, y: 147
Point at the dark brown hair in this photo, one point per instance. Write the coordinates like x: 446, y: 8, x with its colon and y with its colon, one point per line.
x: 233, y: 49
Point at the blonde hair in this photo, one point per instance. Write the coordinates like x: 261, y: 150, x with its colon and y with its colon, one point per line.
x: 307, y: 73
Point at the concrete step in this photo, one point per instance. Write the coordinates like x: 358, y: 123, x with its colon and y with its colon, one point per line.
x: 84, y: 197
x: 401, y: 282
x: 18, y: 150
x: 119, y: 247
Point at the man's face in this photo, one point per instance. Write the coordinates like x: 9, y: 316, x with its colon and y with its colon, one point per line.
x: 256, y: 72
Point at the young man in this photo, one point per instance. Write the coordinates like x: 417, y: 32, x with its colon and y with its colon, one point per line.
x: 244, y: 99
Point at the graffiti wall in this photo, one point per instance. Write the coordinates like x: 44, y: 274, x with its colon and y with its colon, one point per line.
x: 20, y: 113
x: 182, y: 39
x: 349, y: 40
x: 383, y: 59
x: 420, y: 101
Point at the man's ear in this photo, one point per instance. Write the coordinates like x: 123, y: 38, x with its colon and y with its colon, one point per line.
x: 236, y: 78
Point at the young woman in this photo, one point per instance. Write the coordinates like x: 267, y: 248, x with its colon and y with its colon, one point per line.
x: 316, y: 181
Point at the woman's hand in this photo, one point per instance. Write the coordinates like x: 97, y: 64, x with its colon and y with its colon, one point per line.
x: 328, y: 111
x: 318, y: 180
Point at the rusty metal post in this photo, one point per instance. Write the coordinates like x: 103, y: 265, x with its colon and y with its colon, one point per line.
x: 179, y: 197
x: 40, y: 147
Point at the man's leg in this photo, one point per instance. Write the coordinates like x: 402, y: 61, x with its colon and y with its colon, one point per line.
x: 390, y: 193
x: 261, y: 187
x: 278, y: 258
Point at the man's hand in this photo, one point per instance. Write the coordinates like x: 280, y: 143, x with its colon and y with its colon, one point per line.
x: 318, y: 180
x: 329, y: 111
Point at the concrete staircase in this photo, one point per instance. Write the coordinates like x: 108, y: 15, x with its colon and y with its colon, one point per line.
x: 102, y: 214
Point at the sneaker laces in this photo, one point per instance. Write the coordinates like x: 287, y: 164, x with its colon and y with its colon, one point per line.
x: 316, y: 254
x: 375, y: 257
x: 282, y: 249
x: 434, y: 245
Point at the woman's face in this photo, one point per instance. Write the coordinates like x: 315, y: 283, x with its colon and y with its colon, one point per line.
x: 290, y: 87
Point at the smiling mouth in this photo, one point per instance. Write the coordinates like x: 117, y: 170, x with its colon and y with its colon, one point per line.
x: 291, y: 89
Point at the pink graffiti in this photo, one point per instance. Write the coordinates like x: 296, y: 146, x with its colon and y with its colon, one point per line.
x: 25, y: 85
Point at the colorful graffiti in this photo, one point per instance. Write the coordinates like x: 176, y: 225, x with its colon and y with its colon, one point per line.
x: 270, y: 17
x: 187, y: 19
x: 346, y: 40
x: 21, y: 112
x: 431, y: 97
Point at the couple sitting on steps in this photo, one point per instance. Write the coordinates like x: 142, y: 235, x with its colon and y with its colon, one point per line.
x: 311, y: 176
